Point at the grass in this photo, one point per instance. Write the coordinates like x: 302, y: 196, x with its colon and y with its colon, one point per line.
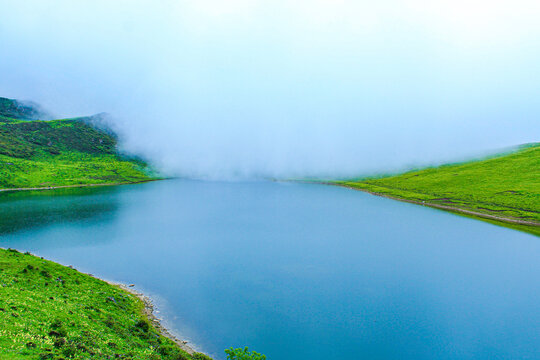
x: 49, y: 311
x: 70, y: 168
x: 506, y: 186
x: 78, y: 151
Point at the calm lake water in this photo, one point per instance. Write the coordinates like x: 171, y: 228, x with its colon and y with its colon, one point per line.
x: 297, y: 271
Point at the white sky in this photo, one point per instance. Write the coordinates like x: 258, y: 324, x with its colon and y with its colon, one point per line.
x: 212, y: 88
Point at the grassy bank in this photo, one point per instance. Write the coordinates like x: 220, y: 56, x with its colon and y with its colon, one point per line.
x: 49, y: 311
x: 503, y: 189
x: 78, y: 151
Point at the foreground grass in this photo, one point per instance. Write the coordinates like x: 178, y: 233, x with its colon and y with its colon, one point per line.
x: 49, y: 311
x: 506, y: 187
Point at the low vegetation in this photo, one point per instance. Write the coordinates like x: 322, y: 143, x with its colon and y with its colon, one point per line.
x: 49, y: 311
x: 243, y: 354
x: 506, y: 188
x: 67, y: 152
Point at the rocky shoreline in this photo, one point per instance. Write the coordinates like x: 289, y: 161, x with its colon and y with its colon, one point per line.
x: 149, y: 313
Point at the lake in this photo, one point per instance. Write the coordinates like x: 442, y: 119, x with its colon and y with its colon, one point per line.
x: 297, y: 271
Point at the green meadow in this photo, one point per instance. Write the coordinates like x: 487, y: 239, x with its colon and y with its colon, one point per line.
x: 50, y: 311
x: 506, y: 186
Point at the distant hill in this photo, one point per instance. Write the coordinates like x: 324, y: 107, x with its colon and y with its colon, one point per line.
x: 11, y: 109
x: 66, y: 152
x: 502, y: 189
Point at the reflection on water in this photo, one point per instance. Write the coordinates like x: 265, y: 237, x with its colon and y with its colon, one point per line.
x: 24, y: 210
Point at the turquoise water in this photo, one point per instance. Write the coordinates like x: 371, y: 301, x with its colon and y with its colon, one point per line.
x: 297, y: 271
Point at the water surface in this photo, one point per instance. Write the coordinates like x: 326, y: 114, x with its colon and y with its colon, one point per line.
x: 297, y: 271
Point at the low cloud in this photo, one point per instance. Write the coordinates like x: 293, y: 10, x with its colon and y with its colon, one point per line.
x: 215, y: 89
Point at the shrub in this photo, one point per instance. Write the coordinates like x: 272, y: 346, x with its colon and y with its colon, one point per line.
x: 109, y: 322
x: 181, y: 356
x: 200, y: 356
x: 243, y: 354
x: 165, y: 350
x: 58, y: 333
x: 59, y: 342
x: 57, y: 323
x: 143, y: 325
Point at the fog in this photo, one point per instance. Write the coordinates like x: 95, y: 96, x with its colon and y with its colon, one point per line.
x: 228, y: 89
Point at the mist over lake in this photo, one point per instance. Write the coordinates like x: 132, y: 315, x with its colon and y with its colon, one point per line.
x: 297, y: 270
x: 245, y: 89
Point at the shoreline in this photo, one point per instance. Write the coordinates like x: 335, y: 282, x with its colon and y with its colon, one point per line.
x: 148, y: 312
x: 508, y: 220
x: 78, y: 186
x: 148, y: 308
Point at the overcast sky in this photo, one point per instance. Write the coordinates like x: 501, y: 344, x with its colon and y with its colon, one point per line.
x: 214, y: 88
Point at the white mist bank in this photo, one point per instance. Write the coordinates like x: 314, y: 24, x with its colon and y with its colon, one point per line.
x: 213, y: 89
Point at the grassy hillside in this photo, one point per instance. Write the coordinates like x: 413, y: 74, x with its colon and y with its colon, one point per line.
x: 49, y: 311
x: 35, y: 153
x: 13, y: 109
x: 505, y: 186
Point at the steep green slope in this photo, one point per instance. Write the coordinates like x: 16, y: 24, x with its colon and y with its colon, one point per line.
x: 49, y: 311
x: 35, y: 153
x: 503, y: 189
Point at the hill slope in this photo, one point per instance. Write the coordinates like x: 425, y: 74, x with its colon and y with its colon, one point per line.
x: 67, y: 152
x: 504, y: 189
x: 49, y: 311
